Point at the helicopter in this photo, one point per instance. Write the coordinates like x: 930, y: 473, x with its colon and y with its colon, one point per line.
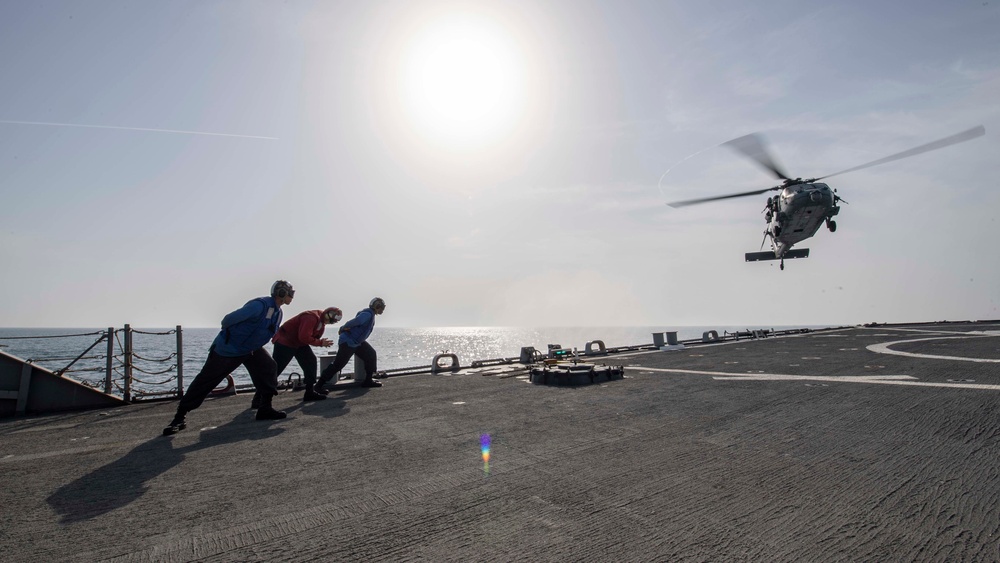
x: 802, y: 206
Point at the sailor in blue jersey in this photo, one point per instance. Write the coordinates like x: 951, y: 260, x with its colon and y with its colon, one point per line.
x: 353, y: 340
x: 241, y: 342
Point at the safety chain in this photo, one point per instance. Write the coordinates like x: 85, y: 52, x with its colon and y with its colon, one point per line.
x: 164, y: 382
x: 171, y: 368
x: 77, y: 370
x: 172, y: 331
x: 67, y: 358
x: 52, y: 336
x: 96, y: 342
x: 167, y: 359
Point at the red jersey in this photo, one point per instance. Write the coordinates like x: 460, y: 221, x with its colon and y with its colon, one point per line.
x: 304, y: 329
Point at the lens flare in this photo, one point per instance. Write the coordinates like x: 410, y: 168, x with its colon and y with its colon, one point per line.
x: 484, y: 445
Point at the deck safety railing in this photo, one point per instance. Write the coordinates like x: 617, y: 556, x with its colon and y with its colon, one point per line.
x: 123, y: 366
x: 133, y: 375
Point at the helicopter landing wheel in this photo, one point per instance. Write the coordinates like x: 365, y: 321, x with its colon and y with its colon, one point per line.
x: 782, y: 265
x: 832, y: 225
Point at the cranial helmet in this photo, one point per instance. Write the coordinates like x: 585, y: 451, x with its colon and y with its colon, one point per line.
x: 377, y: 302
x: 335, y: 314
x: 282, y: 289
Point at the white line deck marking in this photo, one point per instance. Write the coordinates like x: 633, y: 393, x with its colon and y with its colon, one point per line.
x: 876, y: 379
x: 932, y: 331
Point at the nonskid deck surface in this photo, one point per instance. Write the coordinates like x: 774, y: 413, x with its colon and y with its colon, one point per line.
x: 853, y: 444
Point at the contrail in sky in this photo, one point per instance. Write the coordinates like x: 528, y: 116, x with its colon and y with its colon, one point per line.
x: 138, y: 129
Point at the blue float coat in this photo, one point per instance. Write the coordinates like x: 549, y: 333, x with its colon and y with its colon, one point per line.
x: 356, y: 331
x: 248, y: 328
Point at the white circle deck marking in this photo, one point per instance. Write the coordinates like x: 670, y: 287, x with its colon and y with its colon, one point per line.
x: 884, y: 348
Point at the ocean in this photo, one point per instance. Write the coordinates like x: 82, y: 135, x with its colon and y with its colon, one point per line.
x: 155, y: 349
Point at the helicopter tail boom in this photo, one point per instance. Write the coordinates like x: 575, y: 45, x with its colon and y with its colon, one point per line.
x: 770, y: 255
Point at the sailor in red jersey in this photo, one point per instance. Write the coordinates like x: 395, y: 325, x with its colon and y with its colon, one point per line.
x: 294, y: 340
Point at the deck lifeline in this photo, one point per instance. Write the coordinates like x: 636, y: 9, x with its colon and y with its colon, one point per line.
x: 856, y: 444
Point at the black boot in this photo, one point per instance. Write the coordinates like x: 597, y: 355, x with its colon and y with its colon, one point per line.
x: 319, y: 388
x: 177, y: 424
x: 255, y: 403
x: 270, y: 414
x: 312, y: 395
x: 370, y: 382
x: 266, y: 411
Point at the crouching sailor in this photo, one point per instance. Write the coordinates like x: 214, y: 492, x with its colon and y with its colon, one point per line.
x: 294, y: 340
x: 353, y: 341
x: 241, y: 342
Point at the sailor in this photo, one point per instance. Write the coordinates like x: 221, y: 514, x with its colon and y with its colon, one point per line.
x: 241, y: 342
x: 353, y: 341
x: 295, y: 339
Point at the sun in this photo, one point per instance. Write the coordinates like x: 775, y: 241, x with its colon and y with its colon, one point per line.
x: 462, y: 81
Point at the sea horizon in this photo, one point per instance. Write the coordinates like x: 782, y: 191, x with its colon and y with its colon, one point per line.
x: 155, y: 348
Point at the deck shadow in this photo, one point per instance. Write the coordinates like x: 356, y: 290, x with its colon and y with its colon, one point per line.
x: 124, y: 480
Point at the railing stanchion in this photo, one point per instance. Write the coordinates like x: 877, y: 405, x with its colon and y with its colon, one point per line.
x: 180, y: 362
x: 128, y: 364
x: 111, y: 360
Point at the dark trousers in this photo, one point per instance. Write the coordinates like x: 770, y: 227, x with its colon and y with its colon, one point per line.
x: 263, y: 372
x: 344, y: 354
x: 303, y: 355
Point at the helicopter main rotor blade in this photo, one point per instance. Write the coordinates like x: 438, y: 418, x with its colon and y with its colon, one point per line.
x: 752, y: 146
x: 932, y: 146
x: 688, y: 202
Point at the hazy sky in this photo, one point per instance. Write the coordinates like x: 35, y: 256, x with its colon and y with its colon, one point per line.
x: 491, y: 163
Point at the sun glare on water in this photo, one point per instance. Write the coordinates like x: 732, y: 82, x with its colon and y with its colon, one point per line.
x: 462, y: 80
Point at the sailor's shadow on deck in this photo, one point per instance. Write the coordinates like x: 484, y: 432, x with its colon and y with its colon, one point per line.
x: 124, y: 480
x: 336, y: 403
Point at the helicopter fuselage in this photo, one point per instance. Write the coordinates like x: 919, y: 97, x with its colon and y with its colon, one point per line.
x: 801, y: 206
x: 797, y: 212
